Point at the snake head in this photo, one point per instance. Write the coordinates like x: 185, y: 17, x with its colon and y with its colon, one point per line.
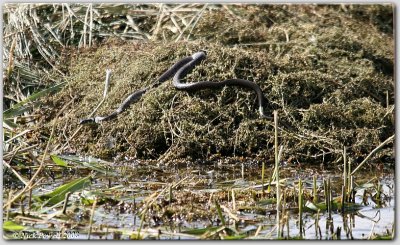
x: 199, y: 55
x: 204, y: 51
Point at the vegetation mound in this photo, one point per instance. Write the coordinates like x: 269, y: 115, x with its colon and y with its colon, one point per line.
x: 327, y: 70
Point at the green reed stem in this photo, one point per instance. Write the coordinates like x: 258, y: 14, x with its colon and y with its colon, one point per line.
x: 317, y: 228
x: 343, y: 198
x: 301, y: 208
x: 262, y: 176
x: 352, y: 193
x: 349, y: 182
x: 67, y: 195
x: 330, y: 198
x: 170, y: 193
x: 221, y: 216
x: 315, y: 194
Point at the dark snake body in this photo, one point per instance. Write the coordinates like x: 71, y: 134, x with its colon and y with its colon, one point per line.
x: 179, y: 71
x: 134, y: 97
x: 197, y: 58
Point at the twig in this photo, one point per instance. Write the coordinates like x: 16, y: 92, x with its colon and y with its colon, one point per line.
x: 198, y: 15
x: 31, y: 183
x: 91, y: 25
x: 278, y: 192
x: 85, y: 26
x: 372, y: 153
x: 107, y: 83
x: 27, y: 188
x: 197, y: 20
x: 11, y: 59
x: 159, y: 21
x: 233, y: 200
x: 226, y: 7
x: 230, y: 214
x: 18, y: 135
x: 172, y: 17
x: 22, y: 179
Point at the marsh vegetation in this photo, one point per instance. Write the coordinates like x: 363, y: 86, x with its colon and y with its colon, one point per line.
x: 198, y: 165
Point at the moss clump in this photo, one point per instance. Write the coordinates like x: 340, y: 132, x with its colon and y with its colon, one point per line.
x: 330, y: 79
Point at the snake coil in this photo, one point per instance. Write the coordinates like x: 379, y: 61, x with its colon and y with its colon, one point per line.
x: 178, y: 71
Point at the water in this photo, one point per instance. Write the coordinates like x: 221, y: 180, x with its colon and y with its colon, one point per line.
x: 122, y: 196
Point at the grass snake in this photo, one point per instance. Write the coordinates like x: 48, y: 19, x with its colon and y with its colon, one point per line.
x: 178, y: 71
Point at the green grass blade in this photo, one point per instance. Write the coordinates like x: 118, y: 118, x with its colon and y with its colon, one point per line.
x: 201, y: 231
x: 58, y: 194
x: 58, y: 161
x: 25, y: 105
x: 7, y: 123
x: 235, y: 237
x: 11, y: 226
x: 95, y: 164
x: 219, y: 210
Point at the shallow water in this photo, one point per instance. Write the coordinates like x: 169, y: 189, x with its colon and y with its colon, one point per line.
x: 136, y: 181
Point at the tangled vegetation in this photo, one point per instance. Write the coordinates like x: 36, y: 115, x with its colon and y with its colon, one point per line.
x: 330, y: 80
